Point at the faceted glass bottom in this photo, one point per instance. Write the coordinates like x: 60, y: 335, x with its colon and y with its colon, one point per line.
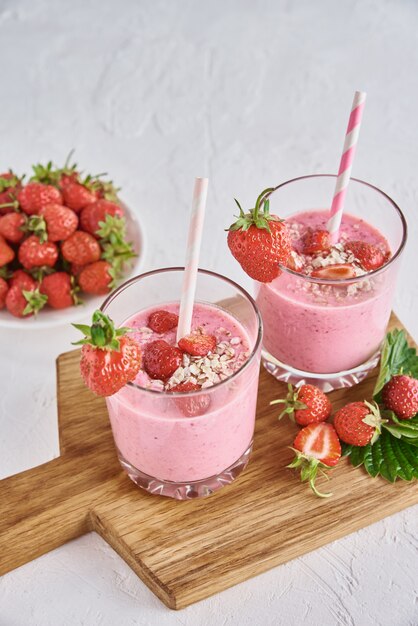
x: 190, y: 489
x: 325, y: 382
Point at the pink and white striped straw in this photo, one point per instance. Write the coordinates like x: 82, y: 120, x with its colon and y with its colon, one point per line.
x: 192, y: 257
x: 346, y: 163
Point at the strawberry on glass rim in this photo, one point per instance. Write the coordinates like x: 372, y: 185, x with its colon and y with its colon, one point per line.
x: 259, y: 241
x: 109, y: 358
x: 317, y: 449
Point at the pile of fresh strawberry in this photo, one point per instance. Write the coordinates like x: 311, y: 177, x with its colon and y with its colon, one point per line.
x: 384, y: 431
x: 61, y: 233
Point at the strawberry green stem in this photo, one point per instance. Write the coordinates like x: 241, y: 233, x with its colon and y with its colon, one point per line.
x: 102, y: 333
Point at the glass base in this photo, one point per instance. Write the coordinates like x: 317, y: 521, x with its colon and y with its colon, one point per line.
x: 190, y: 489
x: 325, y: 382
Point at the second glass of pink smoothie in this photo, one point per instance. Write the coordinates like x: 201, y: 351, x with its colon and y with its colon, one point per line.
x: 328, y: 332
x: 188, y: 444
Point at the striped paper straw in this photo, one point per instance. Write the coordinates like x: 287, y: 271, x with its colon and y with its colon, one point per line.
x: 192, y: 257
x: 346, y: 163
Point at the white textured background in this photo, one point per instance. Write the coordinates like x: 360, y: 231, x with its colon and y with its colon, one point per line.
x: 249, y: 93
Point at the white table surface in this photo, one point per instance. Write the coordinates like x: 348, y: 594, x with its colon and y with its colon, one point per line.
x: 249, y: 93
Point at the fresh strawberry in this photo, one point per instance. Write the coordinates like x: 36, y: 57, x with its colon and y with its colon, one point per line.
x: 400, y: 395
x: 368, y: 255
x: 34, y: 253
x: 317, y: 448
x: 11, y: 226
x: 96, y: 278
x: 4, y: 288
x: 60, y: 290
x: 192, y: 405
x: 198, y: 344
x: 339, y: 271
x: 162, y: 321
x: 305, y: 405
x: 34, y: 196
x: 109, y: 358
x: 358, y: 423
x: 10, y: 185
x: 315, y: 241
x: 61, y: 222
x: 6, y: 252
x: 259, y: 241
x: 22, y: 279
x: 161, y: 360
x: 22, y: 302
x: 81, y: 248
x: 77, y: 196
x: 93, y: 214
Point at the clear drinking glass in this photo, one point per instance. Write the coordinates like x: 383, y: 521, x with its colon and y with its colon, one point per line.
x: 332, y: 340
x: 161, y: 449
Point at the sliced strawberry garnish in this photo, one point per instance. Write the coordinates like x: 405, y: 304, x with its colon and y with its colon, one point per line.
x: 197, y: 344
x: 339, y: 271
x: 317, y: 448
x: 369, y: 256
x: 193, y: 405
x: 162, y: 321
x: 316, y: 241
x: 161, y: 360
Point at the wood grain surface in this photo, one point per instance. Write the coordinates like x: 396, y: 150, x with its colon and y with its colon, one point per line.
x: 185, y: 551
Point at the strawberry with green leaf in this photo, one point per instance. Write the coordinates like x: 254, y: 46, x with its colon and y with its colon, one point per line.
x: 317, y: 449
x: 305, y: 405
x: 110, y: 358
x: 259, y: 241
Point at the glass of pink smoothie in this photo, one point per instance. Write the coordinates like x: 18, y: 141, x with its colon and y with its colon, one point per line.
x: 328, y: 332
x: 188, y: 444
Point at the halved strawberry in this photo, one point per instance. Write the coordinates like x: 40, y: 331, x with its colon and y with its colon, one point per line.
x: 317, y: 447
x: 161, y: 360
x: 198, y: 344
x: 369, y: 256
x: 162, y: 321
x: 339, y: 271
x: 192, y: 405
x: 315, y: 241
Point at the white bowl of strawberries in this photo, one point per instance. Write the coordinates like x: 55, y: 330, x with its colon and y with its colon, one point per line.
x: 65, y: 242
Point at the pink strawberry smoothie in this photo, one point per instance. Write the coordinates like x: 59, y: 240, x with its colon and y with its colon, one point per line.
x: 326, y: 328
x: 183, y: 437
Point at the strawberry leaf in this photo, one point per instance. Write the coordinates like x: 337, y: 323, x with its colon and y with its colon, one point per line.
x: 397, y: 357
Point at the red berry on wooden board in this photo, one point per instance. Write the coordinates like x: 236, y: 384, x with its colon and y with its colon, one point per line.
x: 109, y: 357
x: 162, y: 321
x: 96, y: 278
x: 34, y: 253
x: 400, y: 395
x: 259, y: 241
x: 358, y: 423
x: 81, y: 248
x: 317, y: 448
x: 161, y: 360
x: 305, y: 405
x: 198, y: 344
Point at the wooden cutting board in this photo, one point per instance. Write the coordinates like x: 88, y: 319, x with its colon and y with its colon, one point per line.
x: 185, y: 551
